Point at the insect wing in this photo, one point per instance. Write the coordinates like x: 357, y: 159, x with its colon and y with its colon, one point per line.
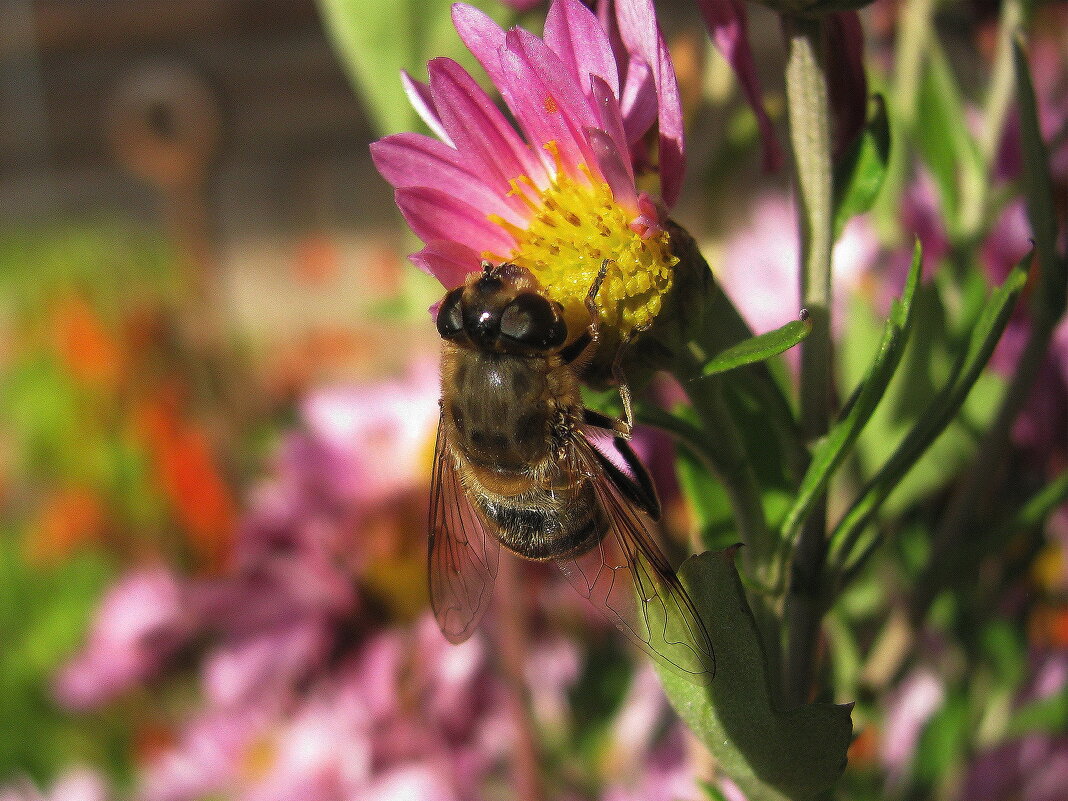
x: 462, y: 556
x: 629, y: 581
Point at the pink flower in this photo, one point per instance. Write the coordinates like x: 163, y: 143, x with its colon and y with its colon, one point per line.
x: 141, y: 622
x: 760, y: 264
x: 76, y: 784
x: 521, y: 5
x: 401, y: 710
x: 667, y: 775
x: 1033, y: 768
x: 213, y: 752
x: 365, y: 445
x: 645, y: 763
x: 911, y: 705
x: 552, y: 667
x: 560, y: 197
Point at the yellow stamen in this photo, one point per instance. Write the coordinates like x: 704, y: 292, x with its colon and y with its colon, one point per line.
x: 577, y: 226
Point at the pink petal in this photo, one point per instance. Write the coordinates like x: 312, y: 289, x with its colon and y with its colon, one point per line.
x: 651, y: 216
x: 641, y: 35
x: 483, y: 37
x: 494, y: 150
x: 577, y: 37
x: 727, y: 24
x: 419, y: 96
x: 615, y: 167
x: 638, y: 100
x: 411, y: 159
x: 433, y: 214
x: 545, y: 99
x: 672, y: 143
x: 848, y: 82
x: 611, y: 119
x: 449, y: 262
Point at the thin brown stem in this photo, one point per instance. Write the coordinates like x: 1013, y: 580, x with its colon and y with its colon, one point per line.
x: 512, y: 645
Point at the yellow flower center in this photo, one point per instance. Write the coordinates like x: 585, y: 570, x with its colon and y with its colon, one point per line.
x: 575, y: 226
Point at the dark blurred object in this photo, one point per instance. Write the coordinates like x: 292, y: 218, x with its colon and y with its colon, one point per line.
x: 289, y: 109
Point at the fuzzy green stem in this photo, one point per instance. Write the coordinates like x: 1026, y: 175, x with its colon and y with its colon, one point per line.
x: 720, y: 445
x: 810, y: 140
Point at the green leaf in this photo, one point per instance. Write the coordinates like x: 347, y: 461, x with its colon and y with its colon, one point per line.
x: 1041, y: 504
x: 858, y: 177
x: 944, y: 141
x: 759, y: 348
x: 770, y: 754
x: 944, y: 740
x: 1049, y: 301
x: 709, y: 502
x: 1048, y: 715
x: 43, y: 617
x: 377, y: 40
x: 712, y: 792
x: 939, y: 413
x: 834, y: 448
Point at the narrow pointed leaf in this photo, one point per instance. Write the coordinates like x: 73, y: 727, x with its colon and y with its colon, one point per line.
x: 759, y: 348
x: 859, y: 176
x: 833, y: 448
x: 771, y: 755
x: 936, y: 417
x: 1038, y: 188
x: 944, y: 141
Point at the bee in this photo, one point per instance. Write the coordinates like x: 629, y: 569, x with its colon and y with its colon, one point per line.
x: 514, y: 466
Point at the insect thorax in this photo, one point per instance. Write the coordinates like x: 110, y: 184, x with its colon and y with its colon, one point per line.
x: 504, y: 412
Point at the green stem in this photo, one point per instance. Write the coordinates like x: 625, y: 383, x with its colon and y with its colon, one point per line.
x: 913, y: 35
x: 1002, y: 89
x: 719, y: 443
x: 810, y: 139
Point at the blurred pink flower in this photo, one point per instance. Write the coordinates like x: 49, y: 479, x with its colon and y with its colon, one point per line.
x: 645, y: 763
x: 552, y: 668
x: 216, y: 751
x: 760, y: 264
x: 411, y: 782
x: 402, y: 709
x: 1030, y: 768
x: 1033, y: 768
x: 1045, y: 54
x: 142, y: 621
x: 364, y: 445
x: 666, y: 775
x: 639, y: 718
x: 76, y: 784
x: 908, y: 708
x: 1042, y: 427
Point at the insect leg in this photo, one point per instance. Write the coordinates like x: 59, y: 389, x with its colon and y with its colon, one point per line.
x: 603, y: 421
x: 576, y: 348
x: 585, y: 345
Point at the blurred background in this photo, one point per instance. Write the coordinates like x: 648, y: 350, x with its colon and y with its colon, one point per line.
x: 218, y: 386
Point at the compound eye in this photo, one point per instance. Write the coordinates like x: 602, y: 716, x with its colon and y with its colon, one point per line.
x: 534, y: 321
x: 450, y: 315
